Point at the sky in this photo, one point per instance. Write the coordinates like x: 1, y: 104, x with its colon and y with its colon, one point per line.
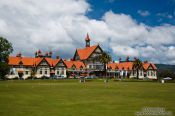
x: 134, y: 28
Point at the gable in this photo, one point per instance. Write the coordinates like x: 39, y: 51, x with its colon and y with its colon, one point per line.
x: 96, y: 52
x: 73, y: 67
x: 43, y: 63
x: 60, y: 64
x: 150, y: 67
x: 85, y: 52
x: 81, y: 67
x: 76, y: 56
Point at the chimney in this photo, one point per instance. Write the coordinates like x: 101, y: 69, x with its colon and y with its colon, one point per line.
x: 145, y: 61
x: 40, y: 53
x: 127, y: 59
x: 36, y: 54
x: 50, y: 54
x: 46, y: 55
x: 19, y: 54
x: 135, y: 58
x: 120, y: 59
x: 57, y: 57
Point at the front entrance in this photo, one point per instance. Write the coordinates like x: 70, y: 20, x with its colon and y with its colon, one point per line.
x: 20, y: 74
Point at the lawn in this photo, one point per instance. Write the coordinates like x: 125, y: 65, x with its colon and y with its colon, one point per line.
x: 93, y: 98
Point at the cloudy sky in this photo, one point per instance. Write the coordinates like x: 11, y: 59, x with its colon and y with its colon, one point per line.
x: 135, y: 28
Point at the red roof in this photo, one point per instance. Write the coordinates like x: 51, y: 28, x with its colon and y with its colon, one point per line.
x: 50, y: 61
x: 14, y: 60
x: 37, y: 61
x: 129, y: 66
x: 55, y: 61
x: 29, y: 61
x: 125, y: 65
x: 154, y: 66
x: 121, y: 66
x: 112, y: 66
x: 147, y: 65
x: 84, y: 53
x: 77, y: 64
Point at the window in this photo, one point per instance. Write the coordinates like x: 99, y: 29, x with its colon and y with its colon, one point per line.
x: 62, y: 72
x: 27, y: 72
x: 57, y: 72
x: 141, y: 73
x: 148, y: 73
x: 40, y: 71
x: 99, y: 67
x: 90, y: 66
x: 12, y: 72
x: 45, y: 72
x: 151, y: 73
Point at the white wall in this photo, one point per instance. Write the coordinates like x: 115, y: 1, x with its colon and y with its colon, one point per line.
x: 26, y: 72
x: 42, y: 69
x: 59, y: 71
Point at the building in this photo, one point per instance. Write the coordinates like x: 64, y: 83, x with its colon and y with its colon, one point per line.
x: 41, y: 65
x: 75, y: 68
x: 88, y: 54
x: 84, y: 60
x: 126, y: 69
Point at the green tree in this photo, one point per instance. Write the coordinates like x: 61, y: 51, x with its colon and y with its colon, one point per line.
x: 137, y: 66
x: 33, y: 73
x: 5, y: 50
x: 104, y: 58
x: 167, y: 73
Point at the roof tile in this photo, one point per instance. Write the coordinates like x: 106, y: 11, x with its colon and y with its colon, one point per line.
x: 86, y: 52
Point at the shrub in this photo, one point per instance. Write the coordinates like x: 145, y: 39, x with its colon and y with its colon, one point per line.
x: 45, y: 77
x: 15, y: 78
x: 30, y: 78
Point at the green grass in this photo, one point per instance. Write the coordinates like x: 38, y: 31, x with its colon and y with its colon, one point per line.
x: 93, y: 98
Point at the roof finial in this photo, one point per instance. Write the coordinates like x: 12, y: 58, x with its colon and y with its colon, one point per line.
x: 87, y: 37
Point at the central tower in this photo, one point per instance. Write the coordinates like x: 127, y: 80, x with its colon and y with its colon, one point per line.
x: 87, y: 39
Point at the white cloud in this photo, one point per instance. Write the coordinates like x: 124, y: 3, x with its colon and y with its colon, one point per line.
x: 3, y: 27
x: 143, y: 12
x: 165, y: 15
x: 62, y: 26
x: 125, y: 51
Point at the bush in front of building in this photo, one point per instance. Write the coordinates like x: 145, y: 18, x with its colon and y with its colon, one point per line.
x: 45, y: 77
x: 30, y: 78
x: 15, y: 78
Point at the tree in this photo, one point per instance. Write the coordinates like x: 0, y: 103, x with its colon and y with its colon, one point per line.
x: 137, y: 66
x: 167, y: 73
x: 4, y: 69
x: 104, y: 58
x: 33, y: 73
x: 5, y: 50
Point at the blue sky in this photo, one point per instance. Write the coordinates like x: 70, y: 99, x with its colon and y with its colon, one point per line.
x: 159, y: 10
x: 135, y: 28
